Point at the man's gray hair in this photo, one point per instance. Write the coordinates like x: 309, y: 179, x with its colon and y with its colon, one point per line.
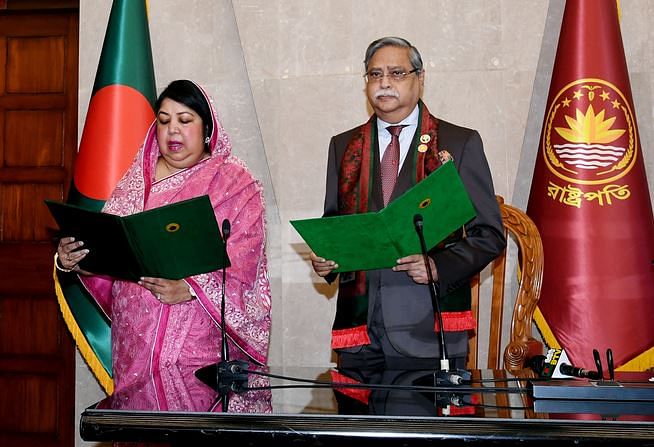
x: 414, y: 55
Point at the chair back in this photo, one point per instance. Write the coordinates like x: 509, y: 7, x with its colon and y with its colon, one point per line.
x: 521, y: 345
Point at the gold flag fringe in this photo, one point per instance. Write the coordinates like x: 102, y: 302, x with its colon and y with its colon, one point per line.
x: 82, y: 343
x: 642, y: 362
x: 545, y: 331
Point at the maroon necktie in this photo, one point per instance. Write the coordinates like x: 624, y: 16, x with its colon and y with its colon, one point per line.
x: 390, y: 162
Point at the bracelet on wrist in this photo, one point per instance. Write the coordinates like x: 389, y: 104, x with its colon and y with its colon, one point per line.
x: 191, y: 291
x: 59, y: 266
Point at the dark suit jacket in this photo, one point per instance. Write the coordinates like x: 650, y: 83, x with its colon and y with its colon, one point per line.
x: 406, y: 306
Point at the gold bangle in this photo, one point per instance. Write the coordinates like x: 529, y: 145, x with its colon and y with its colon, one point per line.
x: 60, y: 267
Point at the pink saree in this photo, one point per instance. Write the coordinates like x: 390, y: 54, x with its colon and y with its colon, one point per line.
x: 151, y: 340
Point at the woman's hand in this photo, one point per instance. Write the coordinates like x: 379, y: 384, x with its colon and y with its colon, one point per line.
x: 69, y: 254
x: 322, y: 266
x: 168, y: 291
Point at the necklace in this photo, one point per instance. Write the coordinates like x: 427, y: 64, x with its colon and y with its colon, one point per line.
x: 165, y: 170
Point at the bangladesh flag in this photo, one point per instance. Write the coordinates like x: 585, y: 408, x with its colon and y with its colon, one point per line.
x: 119, y: 114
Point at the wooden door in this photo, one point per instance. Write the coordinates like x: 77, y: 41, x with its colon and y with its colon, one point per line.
x: 38, y: 140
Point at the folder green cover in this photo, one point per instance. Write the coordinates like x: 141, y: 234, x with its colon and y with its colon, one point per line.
x: 376, y: 240
x: 173, y: 242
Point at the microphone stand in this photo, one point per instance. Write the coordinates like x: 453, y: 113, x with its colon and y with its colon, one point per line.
x: 444, y: 376
x: 224, y: 351
x: 230, y: 376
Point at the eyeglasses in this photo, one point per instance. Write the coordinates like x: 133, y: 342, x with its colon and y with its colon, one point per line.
x: 396, y: 75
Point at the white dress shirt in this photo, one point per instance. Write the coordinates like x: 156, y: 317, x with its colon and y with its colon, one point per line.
x: 406, y: 136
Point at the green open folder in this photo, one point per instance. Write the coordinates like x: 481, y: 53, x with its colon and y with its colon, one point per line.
x: 376, y: 240
x: 174, y: 241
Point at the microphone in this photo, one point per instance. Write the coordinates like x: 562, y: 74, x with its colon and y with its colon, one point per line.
x: 418, y: 222
x: 444, y: 376
x: 227, y: 229
x: 556, y: 365
x: 573, y: 371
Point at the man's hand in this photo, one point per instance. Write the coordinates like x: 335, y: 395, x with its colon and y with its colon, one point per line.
x: 414, y: 266
x: 322, y: 266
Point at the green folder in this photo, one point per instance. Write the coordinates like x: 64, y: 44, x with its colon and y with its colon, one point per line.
x: 376, y: 240
x: 173, y: 242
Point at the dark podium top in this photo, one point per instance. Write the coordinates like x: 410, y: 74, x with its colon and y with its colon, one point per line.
x: 376, y: 408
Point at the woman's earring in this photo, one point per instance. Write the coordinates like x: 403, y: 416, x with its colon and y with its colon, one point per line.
x: 206, y: 140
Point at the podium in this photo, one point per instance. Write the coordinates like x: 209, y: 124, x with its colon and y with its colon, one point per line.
x: 383, y: 408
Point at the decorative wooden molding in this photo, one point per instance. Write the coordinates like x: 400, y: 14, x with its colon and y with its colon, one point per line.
x: 522, y: 345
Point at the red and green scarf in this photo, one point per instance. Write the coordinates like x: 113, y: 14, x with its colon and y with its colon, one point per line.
x: 354, y: 193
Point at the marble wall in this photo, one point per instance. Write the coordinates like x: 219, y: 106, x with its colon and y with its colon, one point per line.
x: 287, y: 74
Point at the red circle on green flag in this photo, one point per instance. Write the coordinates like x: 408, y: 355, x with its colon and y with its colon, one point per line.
x: 115, y: 127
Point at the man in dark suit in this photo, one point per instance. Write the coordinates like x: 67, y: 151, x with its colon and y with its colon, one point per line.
x: 385, y: 317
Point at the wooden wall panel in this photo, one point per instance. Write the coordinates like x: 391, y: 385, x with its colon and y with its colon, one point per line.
x: 35, y: 65
x: 38, y: 142
x: 43, y: 339
x: 3, y: 63
x: 26, y: 272
x: 33, y: 138
x: 38, y: 396
x: 24, y: 216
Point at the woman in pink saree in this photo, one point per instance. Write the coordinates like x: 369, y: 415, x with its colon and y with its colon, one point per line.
x: 163, y: 328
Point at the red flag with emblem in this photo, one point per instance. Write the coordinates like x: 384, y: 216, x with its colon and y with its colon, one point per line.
x: 590, y: 201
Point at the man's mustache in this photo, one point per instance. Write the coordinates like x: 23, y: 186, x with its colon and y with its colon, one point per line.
x: 386, y: 92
